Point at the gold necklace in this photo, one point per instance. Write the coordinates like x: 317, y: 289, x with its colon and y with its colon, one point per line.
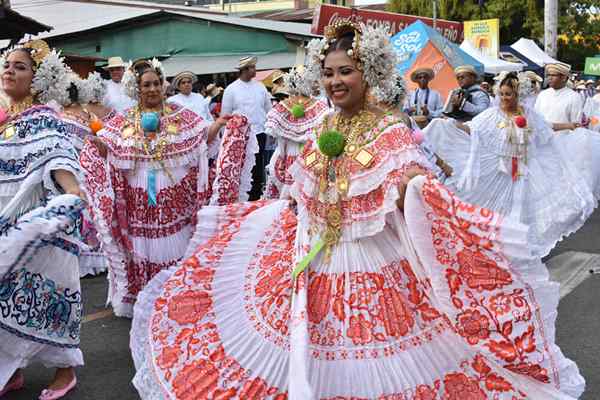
x: 7, y: 129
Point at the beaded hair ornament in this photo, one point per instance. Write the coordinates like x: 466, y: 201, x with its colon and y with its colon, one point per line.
x: 50, y: 73
x: 524, y: 84
x: 133, y: 74
x: 371, y: 49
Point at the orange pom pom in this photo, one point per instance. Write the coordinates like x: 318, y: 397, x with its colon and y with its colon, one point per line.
x: 96, y: 125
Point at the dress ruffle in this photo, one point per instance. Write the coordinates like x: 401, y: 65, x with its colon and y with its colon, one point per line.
x: 139, y: 240
x: 550, y: 195
x: 291, y: 134
x: 233, y: 175
x: 386, y: 319
x: 372, y: 191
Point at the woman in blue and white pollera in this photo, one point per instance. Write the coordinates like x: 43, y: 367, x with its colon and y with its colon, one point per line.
x: 40, y: 295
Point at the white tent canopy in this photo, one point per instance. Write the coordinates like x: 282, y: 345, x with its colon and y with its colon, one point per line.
x: 529, y: 49
x: 490, y: 65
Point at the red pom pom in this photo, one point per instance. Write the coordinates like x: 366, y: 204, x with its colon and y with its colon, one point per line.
x: 3, y: 115
x: 96, y: 125
x: 520, y: 121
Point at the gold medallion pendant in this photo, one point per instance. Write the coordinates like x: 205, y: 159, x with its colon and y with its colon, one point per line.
x: 128, y: 132
x: 172, y: 129
x: 9, y: 132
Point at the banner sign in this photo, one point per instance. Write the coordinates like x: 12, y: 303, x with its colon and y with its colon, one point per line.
x: 592, y: 66
x: 484, y: 36
x: 326, y: 14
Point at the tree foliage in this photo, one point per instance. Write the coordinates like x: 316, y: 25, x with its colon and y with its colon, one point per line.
x: 579, y: 22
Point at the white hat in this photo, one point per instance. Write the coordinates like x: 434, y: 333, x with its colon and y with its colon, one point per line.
x: 247, y: 62
x: 559, y: 68
x: 115, y: 62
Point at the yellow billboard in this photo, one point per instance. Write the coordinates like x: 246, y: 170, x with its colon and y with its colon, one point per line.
x: 484, y: 35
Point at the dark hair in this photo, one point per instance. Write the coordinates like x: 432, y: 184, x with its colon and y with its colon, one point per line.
x: 512, y: 81
x: 141, y: 67
x: 28, y: 52
x: 344, y: 43
x: 73, y: 93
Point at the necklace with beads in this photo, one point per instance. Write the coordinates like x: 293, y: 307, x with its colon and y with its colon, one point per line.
x: 7, y: 129
x: 333, y: 171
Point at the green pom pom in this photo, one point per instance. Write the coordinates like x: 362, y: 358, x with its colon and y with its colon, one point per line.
x: 298, y: 110
x: 331, y: 143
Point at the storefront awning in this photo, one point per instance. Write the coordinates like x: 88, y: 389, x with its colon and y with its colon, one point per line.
x: 204, y: 65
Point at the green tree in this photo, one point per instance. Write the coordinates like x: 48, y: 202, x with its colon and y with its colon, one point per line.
x: 579, y: 21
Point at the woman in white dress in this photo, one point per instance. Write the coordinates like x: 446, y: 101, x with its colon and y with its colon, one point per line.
x: 40, y: 295
x: 507, y: 159
x: 380, y: 287
x: 146, y: 177
x: 290, y: 122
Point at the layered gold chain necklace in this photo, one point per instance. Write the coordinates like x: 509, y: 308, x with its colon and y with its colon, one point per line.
x: 334, y: 171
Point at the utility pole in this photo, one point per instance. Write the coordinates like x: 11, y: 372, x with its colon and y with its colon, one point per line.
x: 435, y: 14
x: 550, y: 27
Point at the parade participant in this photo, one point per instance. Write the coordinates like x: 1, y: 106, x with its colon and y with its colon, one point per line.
x: 215, y: 94
x: 424, y: 101
x: 507, y: 160
x: 470, y: 100
x: 184, y: 82
x: 396, y: 100
x: 146, y: 191
x: 559, y: 105
x: 84, y: 116
x: 247, y: 97
x: 116, y: 97
x: 536, y: 82
x: 290, y: 122
x: 40, y: 294
x: 277, y: 81
x: 383, y: 286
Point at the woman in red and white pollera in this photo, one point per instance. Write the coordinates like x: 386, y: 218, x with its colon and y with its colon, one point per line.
x: 377, y: 283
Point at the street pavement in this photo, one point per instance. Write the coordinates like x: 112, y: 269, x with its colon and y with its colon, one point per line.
x: 109, y: 369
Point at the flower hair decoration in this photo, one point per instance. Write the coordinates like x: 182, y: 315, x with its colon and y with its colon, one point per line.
x: 302, y: 80
x: 371, y: 49
x: 524, y: 84
x: 50, y: 73
x: 132, y: 74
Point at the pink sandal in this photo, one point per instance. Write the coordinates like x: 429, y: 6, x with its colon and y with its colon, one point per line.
x: 16, y: 384
x: 51, y: 394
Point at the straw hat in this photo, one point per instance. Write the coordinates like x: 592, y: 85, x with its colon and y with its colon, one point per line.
x: 558, y: 68
x: 115, y: 62
x: 423, y: 70
x: 184, y: 74
x: 246, y: 62
x: 465, y: 69
x: 533, y: 76
x: 213, y: 90
x: 277, y: 74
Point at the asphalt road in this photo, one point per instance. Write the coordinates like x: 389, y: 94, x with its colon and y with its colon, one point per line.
x: 109, y: 369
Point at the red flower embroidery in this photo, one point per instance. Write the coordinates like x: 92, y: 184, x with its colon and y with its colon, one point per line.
x: 196, y: 381
x: 500, y: 303
x: 425, y: 392
x: 460, y: 387
x: 168, y: 357
x: 255, y: 389
x: 319, y: 298
x: 473, y: 326
x: 189, y: 307
x: 397, y: 318
x: 360, y: 330
x: 481, y: 272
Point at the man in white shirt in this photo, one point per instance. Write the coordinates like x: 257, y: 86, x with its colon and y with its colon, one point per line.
x: 251, y: 99
x: 184, y: 83
x: 424, y: 101
x: 115, y: 97
x: 559, y: 105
